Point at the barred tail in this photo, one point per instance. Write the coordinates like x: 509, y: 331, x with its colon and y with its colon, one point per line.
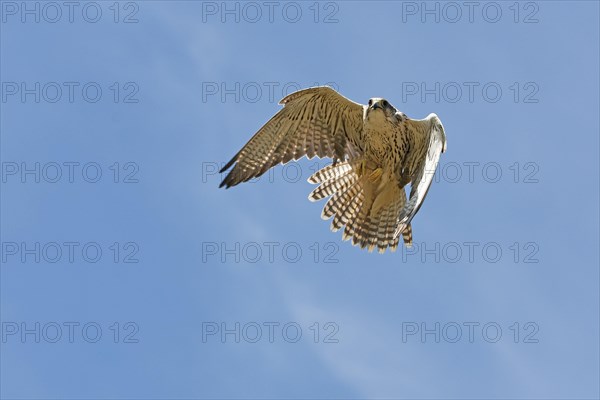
x: 407, y: 235
x: 368, y: 209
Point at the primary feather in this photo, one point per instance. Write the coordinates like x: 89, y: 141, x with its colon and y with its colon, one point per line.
x: 376, y: 150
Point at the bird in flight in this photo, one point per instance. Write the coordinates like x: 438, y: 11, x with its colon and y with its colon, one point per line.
x: 376, y: 151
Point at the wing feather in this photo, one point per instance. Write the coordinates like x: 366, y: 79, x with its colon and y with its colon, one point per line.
x: 316, y: 121
x: 423, y: 175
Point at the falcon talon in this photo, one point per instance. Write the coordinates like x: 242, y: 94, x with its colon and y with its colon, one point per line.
x: 373, y: 212
x: 375, y: 175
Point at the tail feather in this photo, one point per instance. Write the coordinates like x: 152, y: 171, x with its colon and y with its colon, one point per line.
x: 363, y: 225
x: 340, y: 201
x: 380, y: 216
x: 368, y: 210
x: 407, y: 235
x: 330, y: 186
x: 349, y: 207
x: 354, y: 229
x: 330, y: 172
x: 387, y: 226
x: 354, y: 208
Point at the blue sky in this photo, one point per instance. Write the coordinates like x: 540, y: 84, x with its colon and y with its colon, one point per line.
x: 506, y: 243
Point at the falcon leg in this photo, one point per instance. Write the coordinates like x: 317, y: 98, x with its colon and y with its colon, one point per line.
x: 375, y: 175
x: 360, y: 169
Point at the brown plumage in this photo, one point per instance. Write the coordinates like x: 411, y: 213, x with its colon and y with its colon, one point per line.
x: 376, y: 150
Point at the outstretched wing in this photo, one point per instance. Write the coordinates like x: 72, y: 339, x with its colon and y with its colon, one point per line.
x: 421, y: 180
x: 316, y: 121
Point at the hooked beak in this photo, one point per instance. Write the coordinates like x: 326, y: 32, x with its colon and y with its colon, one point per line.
x: 376, y: 105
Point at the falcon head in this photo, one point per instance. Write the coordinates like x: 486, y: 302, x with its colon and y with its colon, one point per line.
x: 379, y: 107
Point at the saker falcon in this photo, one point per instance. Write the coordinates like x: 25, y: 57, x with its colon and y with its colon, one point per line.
x: 376, y: 151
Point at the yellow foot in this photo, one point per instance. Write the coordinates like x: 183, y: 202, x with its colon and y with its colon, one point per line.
x: 375, y: 175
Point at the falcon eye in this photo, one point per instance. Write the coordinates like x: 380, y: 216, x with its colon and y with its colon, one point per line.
x: 385, y: 103
x: 370, y: 102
